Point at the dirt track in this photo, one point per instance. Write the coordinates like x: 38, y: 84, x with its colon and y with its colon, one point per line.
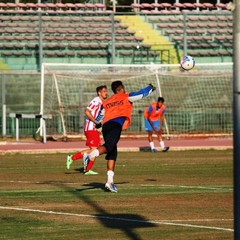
x: 28, y: 146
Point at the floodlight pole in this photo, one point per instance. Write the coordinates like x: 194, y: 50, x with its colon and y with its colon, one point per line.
x: 113, y: 40
x: 4, y: 107
x: 40, y: 44
x: 184, y: 33
x: 236, y: 115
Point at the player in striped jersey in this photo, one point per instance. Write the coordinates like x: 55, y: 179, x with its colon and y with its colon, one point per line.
x: 94, y: 116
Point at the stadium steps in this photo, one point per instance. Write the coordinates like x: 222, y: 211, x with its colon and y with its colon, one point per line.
x: 209, y: 37
x: 3, y: 66
x: 162, y: 46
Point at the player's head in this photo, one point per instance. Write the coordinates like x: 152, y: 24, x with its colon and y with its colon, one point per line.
x: 117, y: 86
x: 102, y: 91
x: 160, y: 101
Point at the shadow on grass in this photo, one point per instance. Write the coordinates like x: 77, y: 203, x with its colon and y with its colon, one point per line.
x: 95, y: 185
x: 127, y: 223
x: 124, y: 222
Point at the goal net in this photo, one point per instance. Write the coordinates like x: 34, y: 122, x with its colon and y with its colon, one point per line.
x: 198, y: 101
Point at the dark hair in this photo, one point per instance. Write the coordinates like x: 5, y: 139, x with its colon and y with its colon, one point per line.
x: 115, y: 86
x: 160, y: 99
x: 99, y: 88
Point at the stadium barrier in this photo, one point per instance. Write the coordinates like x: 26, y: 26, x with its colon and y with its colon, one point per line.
x: 42, y: 127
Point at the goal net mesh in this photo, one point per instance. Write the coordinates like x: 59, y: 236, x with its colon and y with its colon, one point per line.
x: 198, y: 101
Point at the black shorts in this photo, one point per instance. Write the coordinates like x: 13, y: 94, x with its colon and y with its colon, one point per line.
x: 111, y: 134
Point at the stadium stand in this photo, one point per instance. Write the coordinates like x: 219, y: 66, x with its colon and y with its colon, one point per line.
x: 207, y: 34
x: 68, y: 29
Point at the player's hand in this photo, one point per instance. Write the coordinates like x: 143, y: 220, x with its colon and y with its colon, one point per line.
x: 153, y: 88
x: 98, y: 127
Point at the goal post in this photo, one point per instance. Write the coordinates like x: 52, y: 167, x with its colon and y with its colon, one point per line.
x: 198, y: 101
x: 68, y: 88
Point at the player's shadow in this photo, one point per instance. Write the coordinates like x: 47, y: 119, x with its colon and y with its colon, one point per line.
x: 124, y: 222
x: 95, y: 185
x: 76, y: 170
x: 127, y: 223
x: 150, y: 180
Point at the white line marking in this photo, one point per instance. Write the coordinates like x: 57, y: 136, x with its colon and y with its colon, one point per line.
x: 129, y: 185
x: 39, y: 182
x: 118, y: 219
x: 189, y: 187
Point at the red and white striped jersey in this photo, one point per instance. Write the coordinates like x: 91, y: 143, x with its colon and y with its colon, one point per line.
x: 94, y: 106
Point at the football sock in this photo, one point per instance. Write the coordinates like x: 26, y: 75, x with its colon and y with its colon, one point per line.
x: 89, y: 165
x: 77, y: 156
x: 110, y: 175
x: 93, y: 154
x: 151, y: 145
x: 162, y: 145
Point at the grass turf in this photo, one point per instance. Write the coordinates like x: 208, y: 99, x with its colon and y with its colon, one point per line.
x: 176, y: 195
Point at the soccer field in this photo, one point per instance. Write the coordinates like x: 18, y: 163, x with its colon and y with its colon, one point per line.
x: 179, y: 195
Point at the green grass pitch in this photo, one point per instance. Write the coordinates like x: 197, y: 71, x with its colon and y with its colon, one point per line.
x: 179, y: 195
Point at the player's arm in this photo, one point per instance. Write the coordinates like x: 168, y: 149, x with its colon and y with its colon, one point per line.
x: 142, y: 93
x: 161, y: 119
x: 161, y: 123
x: 100, y: 115
x: 89, y: 115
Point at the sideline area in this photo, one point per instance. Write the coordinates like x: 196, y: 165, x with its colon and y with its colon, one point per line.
x: 32, y: 146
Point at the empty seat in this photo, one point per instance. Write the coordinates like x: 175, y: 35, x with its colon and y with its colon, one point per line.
x: 208, y: 5
x: 189, y: 6
x: 49, y: 54
x: 41, y: 6
x: 166, y: 5
x: 146, y: 5
x: 74, y: 46
x: 31, y: 6
x: 82, y: 54
x: 199, y: 6
x: 136, y: 6
x: 221, y: 6
x: 70, y: 54
x: 179, y: 5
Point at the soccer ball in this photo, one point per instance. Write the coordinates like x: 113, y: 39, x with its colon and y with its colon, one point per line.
x: 187, y: 63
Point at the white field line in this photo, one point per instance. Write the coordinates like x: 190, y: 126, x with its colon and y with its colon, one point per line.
x: 188, y: 187
x: 129, y: 185
x: 117, y: 219
x: 39, y: 182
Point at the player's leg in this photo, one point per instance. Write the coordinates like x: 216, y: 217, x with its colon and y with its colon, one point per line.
x: 93, y: 141
x: 111, y: 133
x: 161, y: 142
x: 110, y: 174
x: 149, y: 130
x: 72, y: 158
x: 76, y: 156
x: 151, y: 142
x: 111, y: 160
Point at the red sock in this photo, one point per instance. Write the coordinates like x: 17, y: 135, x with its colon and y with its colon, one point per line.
x: 77, y: 156
x: 89, y: 166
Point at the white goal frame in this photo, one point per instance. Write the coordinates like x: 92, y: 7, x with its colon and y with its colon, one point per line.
x: 155, y: 69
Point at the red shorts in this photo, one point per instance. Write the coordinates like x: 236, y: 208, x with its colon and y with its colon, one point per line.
x: 93, y: 138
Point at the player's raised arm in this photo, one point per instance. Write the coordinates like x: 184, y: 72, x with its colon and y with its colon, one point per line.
x: 142, y: 93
